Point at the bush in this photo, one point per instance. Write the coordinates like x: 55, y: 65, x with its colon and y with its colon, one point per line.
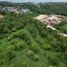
x: 19, y: 45
x: 35, y: 57
x: 10, y: 55
x: 11, y: 36
x: 34, y: 47
x: 32, y: 55
x: 52, y: 66
x: 46, y: 46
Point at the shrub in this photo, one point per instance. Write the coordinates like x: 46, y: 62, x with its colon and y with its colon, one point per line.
x: 52, y: 66
x: 46, y: 46
x: 32, y: 55
x: 34, y: 47
x: 10, y: 37
x: 14, y: 29
x: 35, y: 57
x: 20, y: 45
x: 30, y: 52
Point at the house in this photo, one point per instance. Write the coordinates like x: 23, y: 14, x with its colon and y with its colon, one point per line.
x: 14, y: 10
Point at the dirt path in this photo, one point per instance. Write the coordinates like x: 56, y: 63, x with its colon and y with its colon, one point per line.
x: 61, y: 34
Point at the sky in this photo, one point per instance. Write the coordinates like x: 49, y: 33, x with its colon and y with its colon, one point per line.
x: 35, y: 0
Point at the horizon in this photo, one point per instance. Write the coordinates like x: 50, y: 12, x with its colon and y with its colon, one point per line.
x: 33, y: 1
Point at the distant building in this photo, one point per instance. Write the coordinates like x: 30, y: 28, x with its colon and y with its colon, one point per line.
x: 14, y: 9
x: 24, y: 10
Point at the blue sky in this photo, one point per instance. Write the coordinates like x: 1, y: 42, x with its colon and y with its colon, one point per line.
x: 35, y: 0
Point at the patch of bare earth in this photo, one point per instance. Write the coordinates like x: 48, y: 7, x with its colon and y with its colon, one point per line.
x: 1, y: 16
x: 51, y: 20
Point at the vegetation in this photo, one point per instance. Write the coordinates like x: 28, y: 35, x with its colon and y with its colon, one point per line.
x: 25, y: 42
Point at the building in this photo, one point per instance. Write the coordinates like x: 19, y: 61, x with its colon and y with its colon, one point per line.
x: 14, y: 10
